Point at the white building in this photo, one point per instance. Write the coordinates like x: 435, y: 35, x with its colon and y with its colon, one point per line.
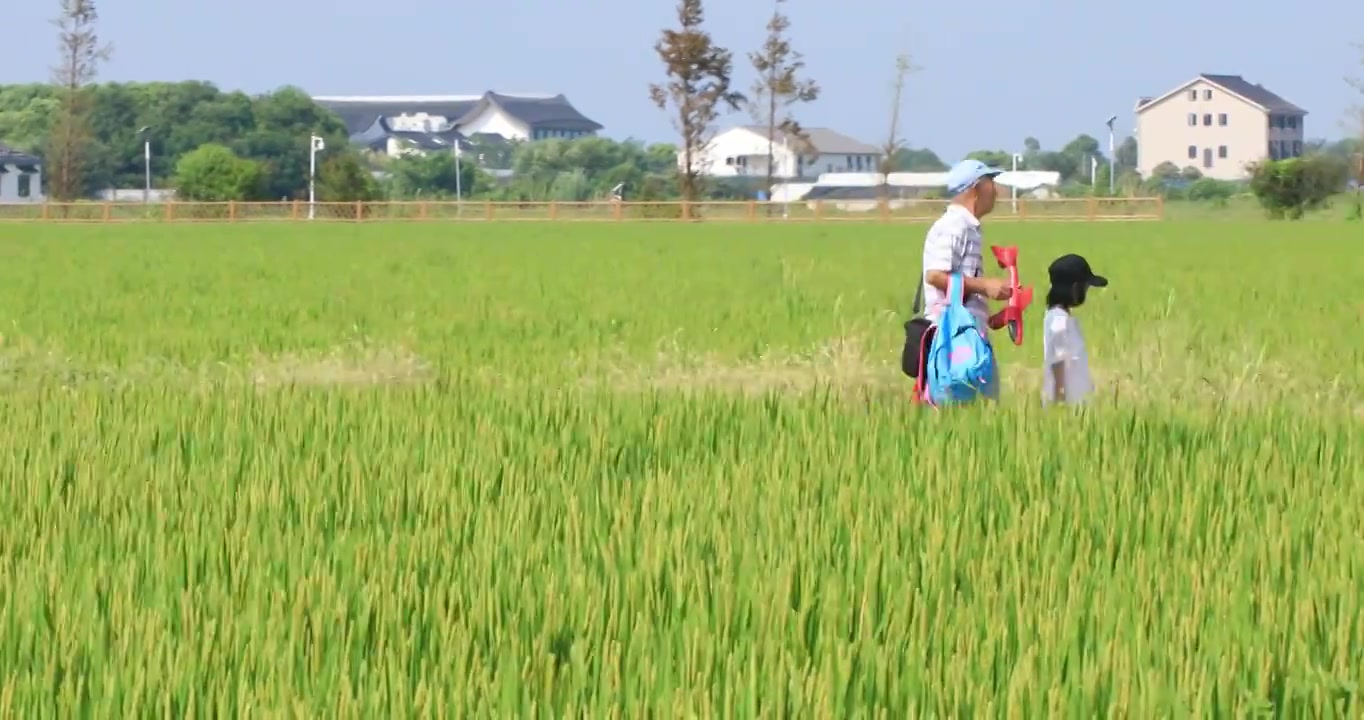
x: 21, y: 176
x: 1218, y: 124
x: 428, y: 122
x: 742, y: 152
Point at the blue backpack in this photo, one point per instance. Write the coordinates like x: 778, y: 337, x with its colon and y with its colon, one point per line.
x: 960, y: 362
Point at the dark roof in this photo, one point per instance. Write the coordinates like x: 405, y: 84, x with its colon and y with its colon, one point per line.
x: 10, y: 156
x: 1255, y: 93
x: 360, y: 115
x: 859, y: 192
x: 557, y: 112
x: 1238, y: 85
x: 377, y: 134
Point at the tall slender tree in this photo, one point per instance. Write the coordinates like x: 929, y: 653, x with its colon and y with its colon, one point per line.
x: 1358, y: 112
x: 779, y: 87
x: 71, y: 136
x: 903, y: 67
x: 697, y: 87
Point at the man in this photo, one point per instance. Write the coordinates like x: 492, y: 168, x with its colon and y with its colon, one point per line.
x: 954, y: 245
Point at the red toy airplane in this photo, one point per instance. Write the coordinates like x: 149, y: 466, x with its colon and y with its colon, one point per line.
x: 1012, y: 314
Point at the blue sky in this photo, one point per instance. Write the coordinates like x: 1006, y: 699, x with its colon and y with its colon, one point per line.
x: 993, y: 72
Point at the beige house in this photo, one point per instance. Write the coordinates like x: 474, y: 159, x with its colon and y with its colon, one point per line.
x: 1217, y: 124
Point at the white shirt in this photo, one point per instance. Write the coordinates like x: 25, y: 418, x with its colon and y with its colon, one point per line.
x: 1064, y: 344
x: 953, y: 245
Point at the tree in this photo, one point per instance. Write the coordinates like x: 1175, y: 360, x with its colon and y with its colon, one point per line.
x: 993, y: 158
x: 81, y: 54
x: 1291, y: 188
x: 698, y: 85
x: 778, y: 87
x: 903, y: 67
x: 921, y: 160
x: 1358, y: 156
x: 433, y: 176
x: 343, y: 178
x: 213, y: 173
x: 1126, y: 154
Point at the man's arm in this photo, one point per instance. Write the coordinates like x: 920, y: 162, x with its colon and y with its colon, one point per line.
x: 1058, y: 375
x: 970, y: 285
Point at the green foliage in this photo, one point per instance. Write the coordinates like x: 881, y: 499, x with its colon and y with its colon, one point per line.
x: 1211, y: 189
x: 213, y: 173
x: 1292, y: 187
x: 665, y: 470
x: 342, y: 177
x: 920, y: 160
x: 272, y: 129
x: 433, y: 176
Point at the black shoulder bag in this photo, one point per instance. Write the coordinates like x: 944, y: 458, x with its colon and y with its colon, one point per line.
x: 918, y: 334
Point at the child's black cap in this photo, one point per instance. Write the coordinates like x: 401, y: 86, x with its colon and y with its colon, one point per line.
x: 1072, y: 269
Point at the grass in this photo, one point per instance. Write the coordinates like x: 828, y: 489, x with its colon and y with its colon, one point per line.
x: 630, y: 471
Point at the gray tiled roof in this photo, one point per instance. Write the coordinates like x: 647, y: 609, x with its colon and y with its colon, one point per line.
x: 378, y: 133
x: 1255, y: 93
x: 556, y: 111
x: 826, y: 141
x: 10, y: 156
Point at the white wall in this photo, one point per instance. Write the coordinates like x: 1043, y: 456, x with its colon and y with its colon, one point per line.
x: 740, y: 152
x: 493, y: 120
x: 10, y: 186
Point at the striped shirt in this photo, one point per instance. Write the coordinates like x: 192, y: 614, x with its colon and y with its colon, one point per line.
x: 953, y: 245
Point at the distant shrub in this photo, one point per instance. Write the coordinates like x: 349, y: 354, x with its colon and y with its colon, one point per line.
x: 1291, y: 188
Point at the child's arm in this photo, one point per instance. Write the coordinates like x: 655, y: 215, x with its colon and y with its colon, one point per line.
x: 1054, y: 346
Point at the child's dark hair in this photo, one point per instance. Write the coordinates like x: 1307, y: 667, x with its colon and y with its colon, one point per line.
x: 1067, y: 297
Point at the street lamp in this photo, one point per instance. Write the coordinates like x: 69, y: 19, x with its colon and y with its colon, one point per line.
x: 1112, y: 158
x: 317, y: 145
x: 145, y: 133
x: 1014, y: 188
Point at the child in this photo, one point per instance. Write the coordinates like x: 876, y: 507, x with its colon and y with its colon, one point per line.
x: 1065, y: 364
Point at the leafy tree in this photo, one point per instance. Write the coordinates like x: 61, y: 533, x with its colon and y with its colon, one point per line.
x: 70, y: 138
x: 903, y: 67
x: 213, y: 173
x: 993, y: 158
x: 1165, y: 171
x: 1291, y: 188
x: 433, y: 176
x: 916, y: 160
x: 1127, y: 154
x: 778, y: 86
x: 343, y: 178
x: 698, y: 86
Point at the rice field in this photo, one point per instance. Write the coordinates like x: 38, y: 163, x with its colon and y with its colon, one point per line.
x: 541, y: 470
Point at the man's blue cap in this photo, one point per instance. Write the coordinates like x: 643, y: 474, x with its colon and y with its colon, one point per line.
x: 965, y: 174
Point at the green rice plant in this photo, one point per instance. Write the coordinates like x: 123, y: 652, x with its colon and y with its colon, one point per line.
x: 551, y: 470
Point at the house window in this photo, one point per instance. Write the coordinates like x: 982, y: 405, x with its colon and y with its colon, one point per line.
x: 1292, y: 123
x: 1193, y: 119
x: 25, y: 185
x: 1222, y: 152
x: 1193, y: 152
x: 1207, y: 119
x: 1222, y: 119
x: 1207, y: 94
x: 1297, y: 148
x: 1273, y: 149
x: 1193, y: 95
x: 1207, y: 157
